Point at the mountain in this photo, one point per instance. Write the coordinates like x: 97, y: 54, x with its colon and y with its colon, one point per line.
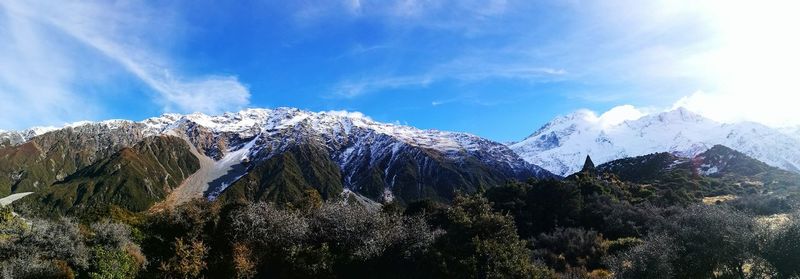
x: 51, y: 157
x: 11, y: 138
x: 255, y: 154
x: 294, y: 150
x: 717, y: 171
x: 793, y: 132
x: 561, y: 145
x: 133, y: 178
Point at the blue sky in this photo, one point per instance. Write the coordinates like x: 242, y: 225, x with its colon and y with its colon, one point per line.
x: 495, y: 68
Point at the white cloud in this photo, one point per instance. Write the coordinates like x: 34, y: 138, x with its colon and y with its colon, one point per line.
x: 615, y: 115
x: 39, y: 73
x: 350, y: 114
x: 620, y: 114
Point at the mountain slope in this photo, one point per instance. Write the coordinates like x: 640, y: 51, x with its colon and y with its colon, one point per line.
x: 286, y: 176
x: 717, y: 171
x: 257, y: 149
x: 561, y: 145
x: 50, y: 157
x: 133, y: 178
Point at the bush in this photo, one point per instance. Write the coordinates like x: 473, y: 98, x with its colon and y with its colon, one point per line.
x: 334, y: 240
x: 188, y: 260
x: 108, y: 263
x: 61, y: 249
x: 651, y: 259
x: 782, y: 249
x: 480, y: 243
x: 567, y: 248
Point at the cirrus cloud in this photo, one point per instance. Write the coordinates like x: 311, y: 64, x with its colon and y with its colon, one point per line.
x: 40, y: 71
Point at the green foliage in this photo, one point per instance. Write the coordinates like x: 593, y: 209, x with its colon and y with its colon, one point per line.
x: 480, y: 243
x: 62, y: 249
x: 284, y: 220
x: 782, y: 249
x: 335, y: 240
x: 566, y: 248
x: 712, y: 238
x: 705, y: 242
x: 652, y: 258
x: 197, y: 220
x: 110, y: 263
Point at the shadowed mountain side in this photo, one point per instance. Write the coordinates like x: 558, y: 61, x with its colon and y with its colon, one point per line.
x: 286, y: 176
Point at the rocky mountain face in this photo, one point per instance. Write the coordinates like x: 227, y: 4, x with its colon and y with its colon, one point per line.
x: 255, y: 154
x: 330, y: 151
x: 561, y: 145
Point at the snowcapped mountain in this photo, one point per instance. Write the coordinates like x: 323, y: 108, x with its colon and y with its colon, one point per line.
x: 276, y: 155
x: 358, y: 145
x: 793, y: 132
x: 562, y: 144
x: 9, y: 138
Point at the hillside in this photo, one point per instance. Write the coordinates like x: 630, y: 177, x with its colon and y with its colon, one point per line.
x: 133, y: 179
x: 717, y: 171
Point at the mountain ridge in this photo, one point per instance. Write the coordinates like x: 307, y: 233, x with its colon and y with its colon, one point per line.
x: 381, y: 161
x: 560, y: 145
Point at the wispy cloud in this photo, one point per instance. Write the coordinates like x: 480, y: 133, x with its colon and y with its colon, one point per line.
x: 647, y: 48
x: 453, y: 71
x: 440, y: 14
x: 128, y: 34
x: 351, y: 89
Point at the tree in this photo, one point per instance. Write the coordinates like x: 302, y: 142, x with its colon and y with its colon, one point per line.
x: 480, y: 243
x: 782, y: 249
x: 109, y: 263
x: 712, y: 239
x: 188, y: 261
x: 567, y: 248
x: 652, y: 258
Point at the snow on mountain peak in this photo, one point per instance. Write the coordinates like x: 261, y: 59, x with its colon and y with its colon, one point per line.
x: 561, y: 145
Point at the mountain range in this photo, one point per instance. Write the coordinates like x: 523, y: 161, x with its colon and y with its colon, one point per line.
x: 281, y: 154
x: 253, y: 155
x: 561, y: 145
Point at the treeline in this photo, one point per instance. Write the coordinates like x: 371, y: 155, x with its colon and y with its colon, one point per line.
x: 577, y: 228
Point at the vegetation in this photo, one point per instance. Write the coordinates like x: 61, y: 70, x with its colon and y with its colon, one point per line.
x: 621, y: 220
x: 132, y: 179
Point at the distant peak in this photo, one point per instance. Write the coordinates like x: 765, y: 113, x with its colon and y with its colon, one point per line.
x: 681, y: 113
